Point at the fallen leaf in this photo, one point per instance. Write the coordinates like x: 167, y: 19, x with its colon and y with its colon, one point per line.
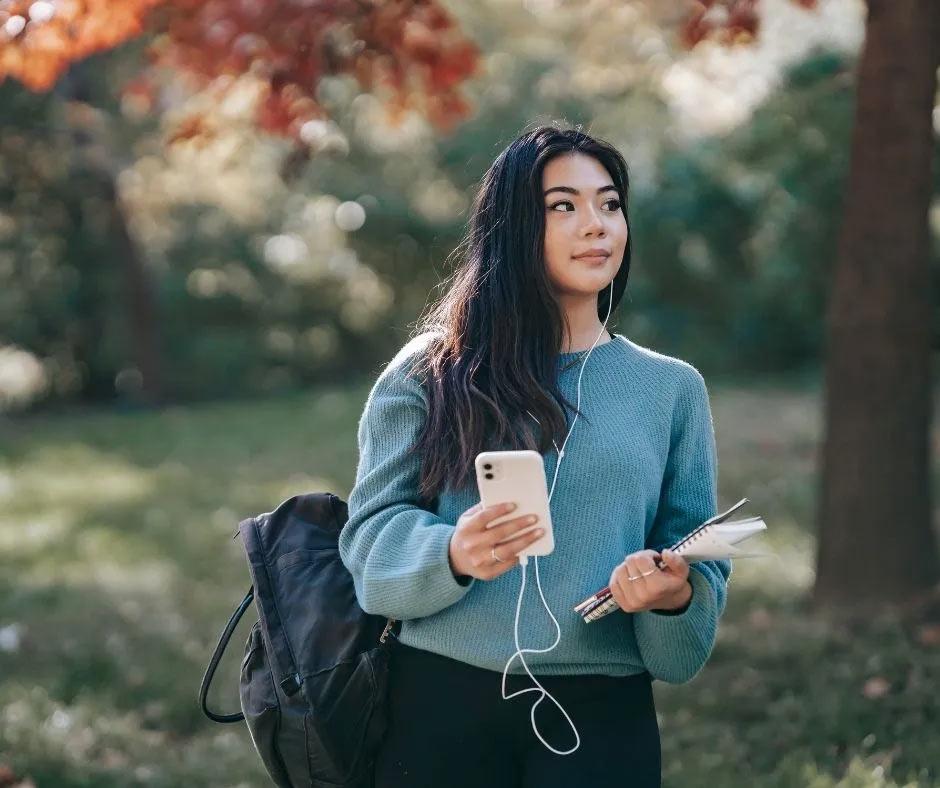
x: 876, y: 687
x: 929, y: 635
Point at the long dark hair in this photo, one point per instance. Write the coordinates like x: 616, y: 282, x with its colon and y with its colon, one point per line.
x: 498, y: 329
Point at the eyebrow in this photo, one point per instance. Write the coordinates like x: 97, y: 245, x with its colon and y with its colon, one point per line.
x: 571, y: 190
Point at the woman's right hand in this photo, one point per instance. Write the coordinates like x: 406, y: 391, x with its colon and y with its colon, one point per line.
x: 472, y: 543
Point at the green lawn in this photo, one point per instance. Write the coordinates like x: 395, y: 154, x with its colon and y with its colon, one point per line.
x: 117, y: 571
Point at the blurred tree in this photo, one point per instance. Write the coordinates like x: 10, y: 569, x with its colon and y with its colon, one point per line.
x: 876, y: 538
x: 92, y: 162
x: 418, y: 200
x: 409, y: 51
x: 739, y: 232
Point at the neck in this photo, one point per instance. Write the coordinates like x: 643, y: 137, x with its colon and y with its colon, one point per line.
x: 584, y: 326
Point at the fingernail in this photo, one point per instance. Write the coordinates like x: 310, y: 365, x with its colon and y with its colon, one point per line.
x: 539, y: 531
x: 509, y: 506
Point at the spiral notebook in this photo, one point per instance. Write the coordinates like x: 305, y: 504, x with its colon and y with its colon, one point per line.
x: 713, y: 540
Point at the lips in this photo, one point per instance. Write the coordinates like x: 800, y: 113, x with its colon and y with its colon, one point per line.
x: 593, y: 256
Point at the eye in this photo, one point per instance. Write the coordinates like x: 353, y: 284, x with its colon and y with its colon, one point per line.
x: 553, y: 206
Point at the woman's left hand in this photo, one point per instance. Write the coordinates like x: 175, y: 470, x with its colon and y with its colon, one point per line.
x: 654, y: 588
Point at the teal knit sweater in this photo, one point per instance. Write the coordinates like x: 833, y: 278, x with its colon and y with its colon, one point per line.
x: 640, y: 470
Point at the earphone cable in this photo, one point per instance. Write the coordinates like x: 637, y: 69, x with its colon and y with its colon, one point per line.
x: 523, y: 563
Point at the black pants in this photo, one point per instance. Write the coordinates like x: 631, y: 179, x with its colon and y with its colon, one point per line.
x: 450, y: 728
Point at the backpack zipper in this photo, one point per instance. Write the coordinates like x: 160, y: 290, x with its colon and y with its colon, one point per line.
x: 385, y: 632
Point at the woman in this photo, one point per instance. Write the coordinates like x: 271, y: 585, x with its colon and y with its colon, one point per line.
x: 545, y: 260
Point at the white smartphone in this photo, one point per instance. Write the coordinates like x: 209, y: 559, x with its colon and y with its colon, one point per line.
x: 517, y: 476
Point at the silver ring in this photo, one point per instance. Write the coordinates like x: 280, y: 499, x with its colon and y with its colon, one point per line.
x: 643, y: 574
x: 496, y: 558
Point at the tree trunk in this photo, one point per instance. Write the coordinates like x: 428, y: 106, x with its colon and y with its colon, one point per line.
x: 876, y: 539
x: 93, y: 154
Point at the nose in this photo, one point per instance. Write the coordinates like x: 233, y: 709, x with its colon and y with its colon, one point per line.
x: 593, y: 223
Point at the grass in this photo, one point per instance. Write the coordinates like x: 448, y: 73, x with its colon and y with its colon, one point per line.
x: 117, y: 571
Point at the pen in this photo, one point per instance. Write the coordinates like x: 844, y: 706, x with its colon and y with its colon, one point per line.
x: 584, y: 611
x: 603, y: 593
x: 602, y: 610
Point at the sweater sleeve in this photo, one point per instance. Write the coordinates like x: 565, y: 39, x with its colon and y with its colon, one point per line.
x: 675, y: 647
x: 396, y: 551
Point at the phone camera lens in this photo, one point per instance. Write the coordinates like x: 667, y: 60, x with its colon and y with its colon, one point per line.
x: 488, y: 475
x: 487, y: 466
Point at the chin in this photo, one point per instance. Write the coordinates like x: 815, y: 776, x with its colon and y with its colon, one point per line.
x: 587, y: 283
x: 598, y: 279
x: 584, y: 289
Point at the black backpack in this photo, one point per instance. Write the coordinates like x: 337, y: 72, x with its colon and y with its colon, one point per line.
x: 313, y: 678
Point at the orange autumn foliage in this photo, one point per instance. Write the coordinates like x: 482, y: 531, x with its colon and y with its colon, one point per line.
x: 728, y: 22
x: 36, y: 51
x: 411, y: 51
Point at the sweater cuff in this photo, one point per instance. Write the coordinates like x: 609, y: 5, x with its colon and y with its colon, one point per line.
x: 445, y: 588
x: 676, y: 646
x: 679, y: 610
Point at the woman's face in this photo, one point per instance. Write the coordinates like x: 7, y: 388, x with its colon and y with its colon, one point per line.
x: 582, y: 212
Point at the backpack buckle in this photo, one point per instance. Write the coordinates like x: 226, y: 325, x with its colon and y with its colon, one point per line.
x: 291, y: 684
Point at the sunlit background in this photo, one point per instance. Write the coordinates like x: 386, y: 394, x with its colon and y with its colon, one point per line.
x: 197, y: 292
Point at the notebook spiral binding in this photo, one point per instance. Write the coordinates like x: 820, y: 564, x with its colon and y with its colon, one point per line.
x: 690, y: 538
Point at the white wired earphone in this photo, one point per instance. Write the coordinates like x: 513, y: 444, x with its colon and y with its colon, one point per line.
x: 523, y: 561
